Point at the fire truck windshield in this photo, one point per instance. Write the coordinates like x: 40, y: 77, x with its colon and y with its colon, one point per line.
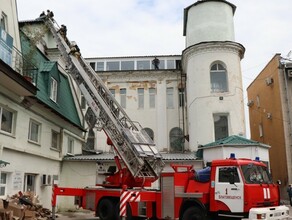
x: 255, y: 174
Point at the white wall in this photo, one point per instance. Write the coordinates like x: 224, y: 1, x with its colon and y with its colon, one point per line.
x: 26, y: 157
x: 209, y: 21
x: 160, y: 119
x: 75, y: 174
x: 10, y: 10
x: 202, y: 103
x: 249, y: 152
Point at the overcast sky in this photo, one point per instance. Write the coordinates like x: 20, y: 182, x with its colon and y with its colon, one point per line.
x: 155, y: 27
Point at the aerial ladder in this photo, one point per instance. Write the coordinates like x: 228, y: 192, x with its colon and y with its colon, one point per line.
x: 138, y: 161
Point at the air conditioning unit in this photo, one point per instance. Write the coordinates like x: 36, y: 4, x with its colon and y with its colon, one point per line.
x: 289, y: 73
x: 269, y: 81
x: 269, y: 115
x: 46, y: 180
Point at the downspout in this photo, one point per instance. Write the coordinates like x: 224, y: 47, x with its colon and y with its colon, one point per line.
x: 288, y: 140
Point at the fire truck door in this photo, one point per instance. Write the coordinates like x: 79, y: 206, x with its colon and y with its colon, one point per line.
x: 229, y: 188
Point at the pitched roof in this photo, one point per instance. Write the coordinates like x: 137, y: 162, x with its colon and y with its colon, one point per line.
x: 234, y: 140
x: 65, y: 105
x: 106, y: 156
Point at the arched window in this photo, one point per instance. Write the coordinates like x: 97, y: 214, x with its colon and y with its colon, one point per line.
x: 176, y: 139
x: 150, y: 132
x: 218, y: 78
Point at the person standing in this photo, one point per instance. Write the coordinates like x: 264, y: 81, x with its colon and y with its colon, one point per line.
x: 156, y: 63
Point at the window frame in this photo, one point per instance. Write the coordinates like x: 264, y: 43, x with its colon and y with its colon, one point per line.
x: 4, y: 21
x: 31, y: 122
x: 3, y: 184
x: 217, y: 135
x: 152, y: 97
x: 176, y: 134
x: 123, y: 97
x: 222, y: 84
x: 11, y: 123
x: 141, y: 100
x: 57, y: 142
x: 30, y: 181
x: 170, y: 97
x: 70, y: 145
x: 181, y: 97
x: 54, y: 89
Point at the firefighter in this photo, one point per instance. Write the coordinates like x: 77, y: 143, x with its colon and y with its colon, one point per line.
x: 74, y: 49
x: 156, y: 62
x: 289, y: 190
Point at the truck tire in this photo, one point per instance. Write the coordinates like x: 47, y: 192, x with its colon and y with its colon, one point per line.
x: 105, y: 209
x: 129, y: 212
x: 194, y: 213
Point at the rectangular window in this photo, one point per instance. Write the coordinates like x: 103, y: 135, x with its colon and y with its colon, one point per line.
x: 92, y: 64
x: 55, y: 139
x: 112, y: 65
x: 113, y: 92
x: 143, y: 64
x: 170, y: 64
x: 181, y: 94
x: 123, y: 97
x: 100, y: 66
x: 220, y: 126
x: 225, y: 174
x: 70, y: 149
x: 140, y: 98
x: 127, y: 65
x: 3, y: 21
x: 152, y: 97
x: 83, y: 102
x: 169, y: 97
x: 54, y: 89
x: 34, y: 131
x: 29, y: 184
x: 3, y: 184
x: 6, y: 120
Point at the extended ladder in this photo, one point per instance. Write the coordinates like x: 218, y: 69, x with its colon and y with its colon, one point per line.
x: 133, y: 145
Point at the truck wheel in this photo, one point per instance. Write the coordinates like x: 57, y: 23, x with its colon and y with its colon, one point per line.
x: 129, y: 212
x: 105, y: 209
x: 194, y: 213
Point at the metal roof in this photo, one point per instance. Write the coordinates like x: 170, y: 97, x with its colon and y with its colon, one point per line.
x: 234, y: 140
x: 106, y: 156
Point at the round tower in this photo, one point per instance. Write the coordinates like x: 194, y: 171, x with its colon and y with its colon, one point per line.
x: 211, y: 62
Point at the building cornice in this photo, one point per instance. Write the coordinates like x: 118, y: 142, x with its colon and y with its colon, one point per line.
x: 212, y: 47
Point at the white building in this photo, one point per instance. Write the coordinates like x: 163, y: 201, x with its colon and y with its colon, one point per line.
x: 152, y: 97
x: 194, y: 98
x: 211, y: 62
x: 39, y: 119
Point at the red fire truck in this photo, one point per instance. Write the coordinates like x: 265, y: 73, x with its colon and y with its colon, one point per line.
x: 230, y: 187
x: 238, y: 188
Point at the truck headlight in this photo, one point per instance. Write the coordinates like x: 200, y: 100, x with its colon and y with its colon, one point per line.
x: 261, y: 216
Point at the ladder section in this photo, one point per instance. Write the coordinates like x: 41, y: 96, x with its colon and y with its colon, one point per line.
x: 133, y: 145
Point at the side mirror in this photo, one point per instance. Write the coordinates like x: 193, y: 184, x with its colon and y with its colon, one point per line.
x: 279, y: 182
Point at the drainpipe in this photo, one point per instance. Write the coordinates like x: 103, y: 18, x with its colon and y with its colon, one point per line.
x: 289, y: 115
